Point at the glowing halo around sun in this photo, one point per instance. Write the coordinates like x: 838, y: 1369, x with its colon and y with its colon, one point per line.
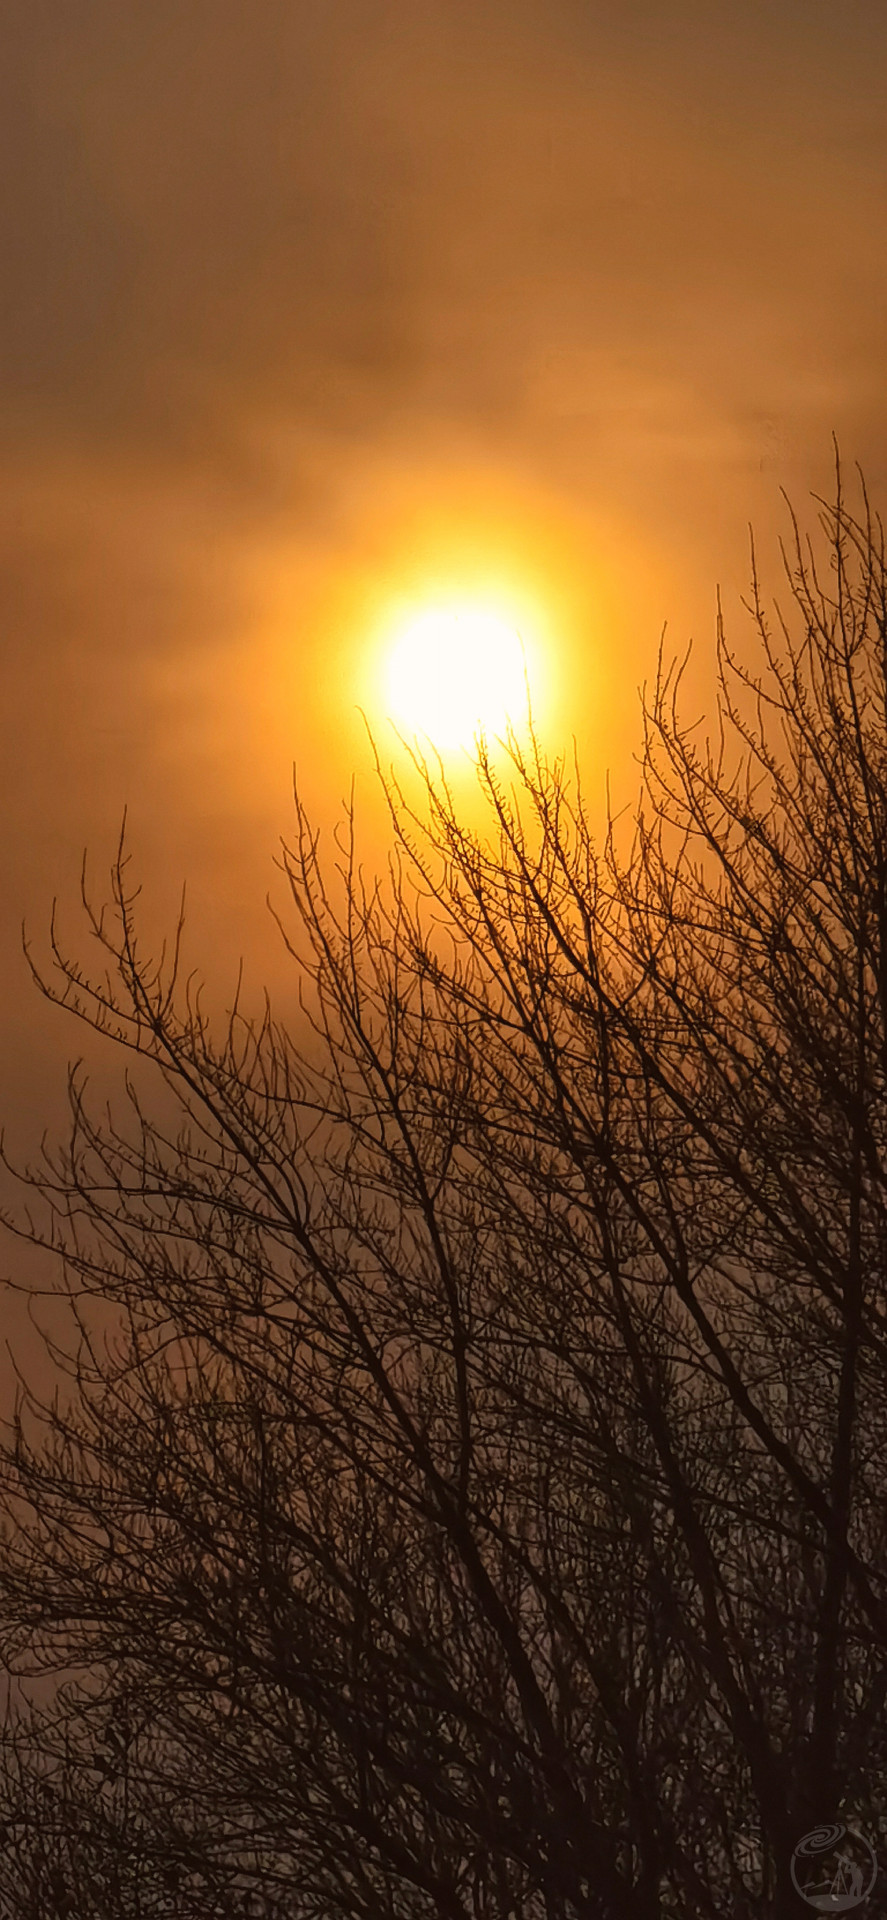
x: 455, y: 673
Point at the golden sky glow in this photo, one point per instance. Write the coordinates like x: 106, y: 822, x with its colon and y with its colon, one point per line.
x: 318, y: 320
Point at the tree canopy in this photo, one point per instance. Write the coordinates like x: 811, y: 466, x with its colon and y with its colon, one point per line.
x: 478, y: 1507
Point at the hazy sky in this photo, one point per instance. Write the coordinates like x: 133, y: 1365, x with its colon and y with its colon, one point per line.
x: 301, y: 302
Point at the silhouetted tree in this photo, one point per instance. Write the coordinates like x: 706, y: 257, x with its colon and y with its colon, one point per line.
x: 479, y: 1509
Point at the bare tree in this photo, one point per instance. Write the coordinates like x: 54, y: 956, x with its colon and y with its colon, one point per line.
x: 480, y: 1507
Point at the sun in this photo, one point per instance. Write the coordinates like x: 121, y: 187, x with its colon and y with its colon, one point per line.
x: 456, y: 672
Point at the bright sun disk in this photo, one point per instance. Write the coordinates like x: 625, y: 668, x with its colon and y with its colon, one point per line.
x: 456, y: 672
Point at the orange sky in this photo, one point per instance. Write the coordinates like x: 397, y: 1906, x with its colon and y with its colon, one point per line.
x: 304, y: 302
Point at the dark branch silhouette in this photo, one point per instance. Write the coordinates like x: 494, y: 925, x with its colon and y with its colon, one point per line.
x: 478, y: 1508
